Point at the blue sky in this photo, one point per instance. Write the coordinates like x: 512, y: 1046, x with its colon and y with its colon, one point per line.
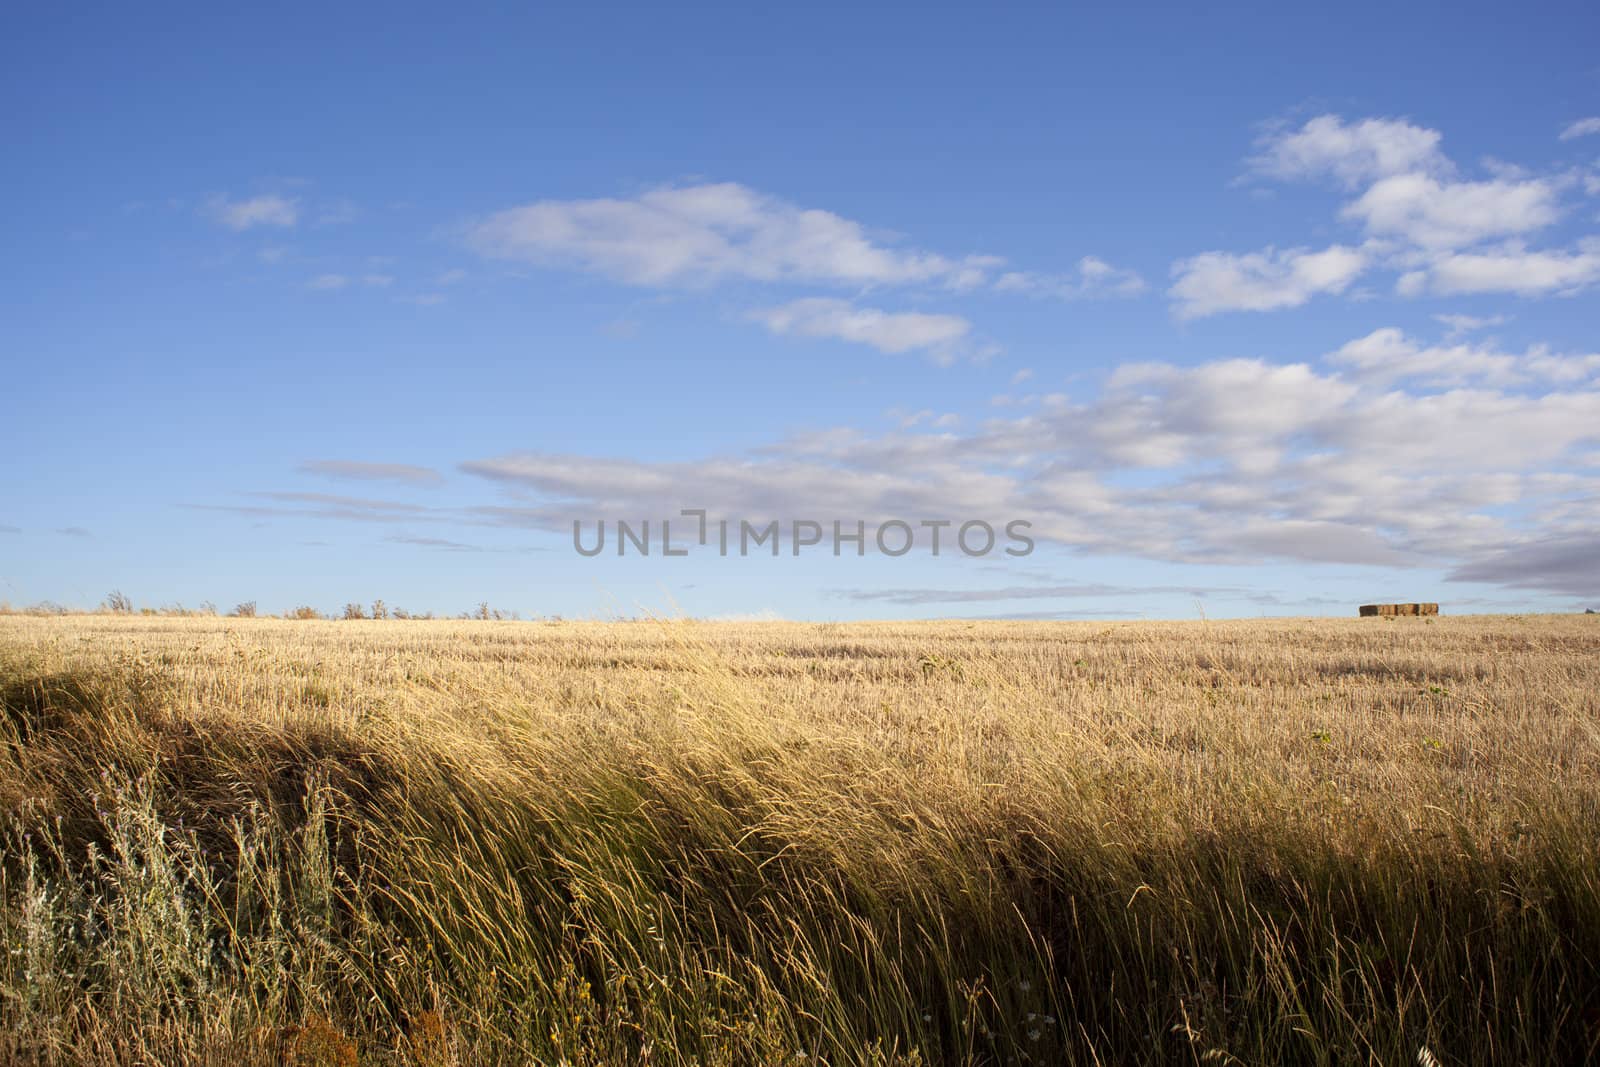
x: 1246, y: 311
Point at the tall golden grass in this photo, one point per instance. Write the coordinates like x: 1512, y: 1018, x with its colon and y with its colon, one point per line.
x: 260, y: 841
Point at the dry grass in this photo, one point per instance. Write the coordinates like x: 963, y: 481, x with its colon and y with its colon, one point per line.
x: 260, y: 841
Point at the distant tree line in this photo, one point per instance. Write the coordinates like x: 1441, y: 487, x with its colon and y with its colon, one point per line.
x: 119, y: 603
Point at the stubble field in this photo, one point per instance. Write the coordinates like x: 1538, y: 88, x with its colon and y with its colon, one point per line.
x: 1292, y: 841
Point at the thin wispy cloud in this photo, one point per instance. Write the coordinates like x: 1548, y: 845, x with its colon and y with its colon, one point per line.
x: 1582, y: 128
x: 440, y: 543
x: 1460, y: 325
x: 333, y: 282
x: 356, y: 470
x: 268, y: 210
x: 1068, y: 591
x: 329, y: 506
x: 887, y: 331
x: 1092, y: 279
x: 338, y: 213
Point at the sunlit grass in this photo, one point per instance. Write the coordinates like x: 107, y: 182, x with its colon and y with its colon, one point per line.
x: 262, y: 841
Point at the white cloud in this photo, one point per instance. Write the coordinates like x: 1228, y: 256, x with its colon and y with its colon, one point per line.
x: 926, y: 417
x: 1233, y: 461
x: 1465, y: 324
x: 1581, y: 128
x: 886, y: 331
x: 1261, y: 281
x: 357, y: 470
x: 697, y: 235
x: 256, y: 211
x: 1434, y: 214
x: 1093, y: 279
x: 1440, y: 234
x: 1351, y: 152
x: 1389, y: 355
x: 1512, y: 268
x: 379, y: 281
x: 329, y: 282
x: 1237, y: 461
x: 1156, y: 415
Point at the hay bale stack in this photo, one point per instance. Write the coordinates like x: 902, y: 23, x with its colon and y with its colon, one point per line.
x: 1399, y: 609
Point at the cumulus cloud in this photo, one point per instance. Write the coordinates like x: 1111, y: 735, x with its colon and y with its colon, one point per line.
x: 697, y: 236
x: 270, y: 210
x: 887, y: 331
x: 1433, y: 214
x: 1508, y: 268
x: 1212, y: 282
x: 1440, y: 233
x: 701, y: 234
x: 1353, y: 152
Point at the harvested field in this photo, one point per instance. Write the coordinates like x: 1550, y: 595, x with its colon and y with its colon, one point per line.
x: 1290, y: 841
